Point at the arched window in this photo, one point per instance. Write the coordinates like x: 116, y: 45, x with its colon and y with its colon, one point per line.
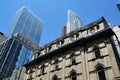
x: 101, y: 73
x: 56, y: 64
x: 97, y: 52
x: 42, y: 69
x: 55, y: 77
x: 73, y: 76
x: 73, y: 59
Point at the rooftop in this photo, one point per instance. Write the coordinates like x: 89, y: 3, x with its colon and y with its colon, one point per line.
x: 83, y: 38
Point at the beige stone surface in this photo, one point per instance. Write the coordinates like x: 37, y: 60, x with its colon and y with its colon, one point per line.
x: 86, y: 62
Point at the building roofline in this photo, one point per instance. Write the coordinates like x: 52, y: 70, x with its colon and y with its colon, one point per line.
x: 24, y: 7
x: 105, y: 32
x: 75, y: 31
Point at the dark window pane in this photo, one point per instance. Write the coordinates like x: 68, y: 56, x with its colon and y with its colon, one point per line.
x: 42, y: 69
x: 56, y: 64
x: 98, y: 27
x: 97, y: 52
x: 55, y: 78
x: 101, y: 73
x: 73, y: 59
x: 73, y: 76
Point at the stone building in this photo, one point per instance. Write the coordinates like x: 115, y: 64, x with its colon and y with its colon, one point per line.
x: 84, y: 54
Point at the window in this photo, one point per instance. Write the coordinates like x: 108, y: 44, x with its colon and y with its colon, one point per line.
x: 101, y: 73
x: 42, y: 69
x: 97, y: 52
x: 92, y: 30
x: 29, y: 71
x: 73, y: 76
x: 72, y: 38
x: 98, y: 27
x: 56, y: 64
x: 73, y: 59
x: 55, y: 77
x: 118, y: 26
x: 58, y: 45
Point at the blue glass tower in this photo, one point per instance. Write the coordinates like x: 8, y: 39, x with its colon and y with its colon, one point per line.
x: 9, y: 51
x: 27, y: 24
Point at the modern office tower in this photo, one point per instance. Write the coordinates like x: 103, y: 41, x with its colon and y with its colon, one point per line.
x: 27, y: 24
x: 73, y: 21
x: 2, y: 37
x: 9, y: 52
x: 30, y: 26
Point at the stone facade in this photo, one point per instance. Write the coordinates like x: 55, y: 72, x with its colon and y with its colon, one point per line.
x: 84, y: 54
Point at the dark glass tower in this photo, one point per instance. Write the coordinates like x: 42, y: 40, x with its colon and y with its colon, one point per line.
x: 27, y: 24
x: 9, y: 51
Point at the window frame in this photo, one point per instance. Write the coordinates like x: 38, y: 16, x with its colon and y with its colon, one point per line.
x: 73, y: 76
x: 100, y: 71
x: 92, y: 30
x: 73, y: 59
x: 56, y: 64
x: 42, y: 69
x: 97, y: 52
x: 55, y: 77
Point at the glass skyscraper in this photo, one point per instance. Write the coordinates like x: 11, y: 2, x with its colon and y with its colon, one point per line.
x: 73, y: 21
x: 9, y: 51
x: 27, y: 24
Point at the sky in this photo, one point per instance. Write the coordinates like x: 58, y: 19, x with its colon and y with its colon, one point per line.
x: 54, y: 13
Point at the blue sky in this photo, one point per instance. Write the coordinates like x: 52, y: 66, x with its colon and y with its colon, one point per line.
x: 54, y: 13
